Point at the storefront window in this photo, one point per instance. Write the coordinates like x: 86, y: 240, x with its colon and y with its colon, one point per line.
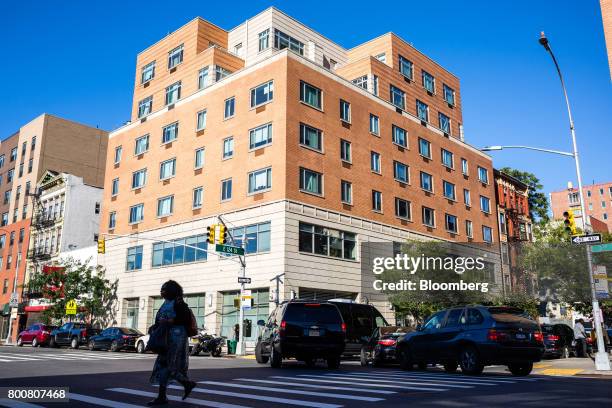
x: 258, y: 311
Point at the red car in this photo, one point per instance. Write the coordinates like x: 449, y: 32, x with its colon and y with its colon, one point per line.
x: 37, y: 334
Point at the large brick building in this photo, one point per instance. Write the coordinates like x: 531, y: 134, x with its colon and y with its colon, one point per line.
x: 305, y: 147
x: 597, y: 200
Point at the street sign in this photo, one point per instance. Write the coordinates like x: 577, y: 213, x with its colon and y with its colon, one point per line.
x: 600, y: 277
x: 228, y: 249
x: 244, y: 280
x: 586, y: 239
x: 246, y: 300
x: 71, y: 307
x: 14, y: 301
x: 602, y: 247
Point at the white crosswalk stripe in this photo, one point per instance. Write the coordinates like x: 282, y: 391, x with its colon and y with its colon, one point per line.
x: 457, y: 380
x: 194, y: 401
x: 8, y: 403
x: 485, y: 377
x: 101, y: 401
x: 318, y: 386
x: 348, y: 382
x: 42, y: 356
x: 392, y: 381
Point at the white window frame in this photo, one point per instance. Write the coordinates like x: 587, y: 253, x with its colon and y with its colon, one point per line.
x: 174, y: 52
x: 374, y: 124
x: 144, y: 178
x: 253, y: 132
x: 229, y: 104
x: 201, y: 124
x: 197, y: 190
x: 349, y: 185
x: 161, y: 169
x: 162, y: 200
x: 199, y: 151
x: 166, y: 130
x: 138, y: 139
x: 150, y: 67
x: 269, y: 94
x: 229, y: 140
x: 252, y: 177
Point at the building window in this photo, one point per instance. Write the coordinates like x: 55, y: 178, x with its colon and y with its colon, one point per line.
x: 573, y: 198
x: 134, y: 258
x: 170, y: 133
x: 1, y: 161
x: 20, y: 170
x: 264, y: 40
x: 226, y: 189
x: 402, y: 209
x: 230, y: 105
x: 203, y: 80
x: 487, y: 234
x: 311, y: 95
x: 485, y: 204
x: 221, y: 73
x: 257, y: 237
x: 449, y: 95
x: 449, y: 190
x: 466, y: 197
x: 260, y: 136
x: 5, y: 219
x: 139, y: 179
x: 319, y: 240
x: 115, y: 187
x: 175, y: 57
x: 2, y: 241
x: 142, y: 145
x: 112, y: 219
x: 361, y: 82
x: 345, y: 111
x: 118, y: 151
x: 179, y: 251
x: 262, y: 94
x: 468, y: 229
x: 426, y: 181
x: 13, y: 154
x: 145, y: 106
x: 165, y: 206
x: 167, y: 169
x: 425, y: 148
x: 24, y: 149
x: 228, y: 147
x: 464, y: 167
x: 311, y: 137
x: 444, y: 123
x: 375, y: 85
x: 346, y: 192
x: 24, y: 212
x: 450, y: 223
x: 405, y: 67
x: 260, y: 180
x: 429, y: 82
x: 376, y: 201
x: 422, y: 111
x: 311, y: 181
x: 33, y: 144
x: 21, y: 235
x: 282, y: 41
x: 9, y: 260
x: 199, y: 158
x: 96, y: 209
x: 374, y: 125
x: 9, y: 175
x: 173, y: 93
x: 400, y: 172
x: 381, y: 57
x: 483, y: 175
x: 7, y: 197
x: 429, y: 217
x: 201, y: 120
x: 588, y: 193
x: 398, y: 97
x: 136, y: 213
x: 400, y: 137
x: 345, y: 150
x: 502, y: 223
x: 198, y: 196
x: 147, y: 72
x: 447, y: 159
x: 375, y: 162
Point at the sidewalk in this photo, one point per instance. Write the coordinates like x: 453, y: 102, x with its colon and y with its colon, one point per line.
x: 569, y: 367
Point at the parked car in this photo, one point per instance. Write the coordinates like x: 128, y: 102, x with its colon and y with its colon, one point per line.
x: 381, y: 347
x: 72, y: 334
x: 115, y: 339
x: 141, y: 343
x: 473, y: 337
x: 37, y: 334
x: 361, y: 320
x: 302, y: 329
x: 558, y: 340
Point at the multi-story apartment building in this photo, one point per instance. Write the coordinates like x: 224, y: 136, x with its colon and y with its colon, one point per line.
x: 515, y: 229
x: 597, y: 201
x: 45, y: 143
x: 308, y: 150
x: 606, y: 15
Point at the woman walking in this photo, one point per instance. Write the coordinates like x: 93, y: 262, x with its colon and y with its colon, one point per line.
x: 172, y: 363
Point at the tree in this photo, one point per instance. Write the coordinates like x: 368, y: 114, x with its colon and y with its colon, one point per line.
x: 538, y: 204
x: 71, y: 279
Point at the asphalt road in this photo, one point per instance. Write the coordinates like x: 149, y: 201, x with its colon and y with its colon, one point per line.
x: 120, y: 380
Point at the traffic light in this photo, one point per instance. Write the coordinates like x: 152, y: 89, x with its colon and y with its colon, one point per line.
x: 101, y: 246
x: 570, y: 223
x: 211, y: 234
x: 222, y: 234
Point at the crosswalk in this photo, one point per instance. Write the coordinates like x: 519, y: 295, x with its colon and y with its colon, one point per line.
x: 311, y: 389
x: 76, y: 355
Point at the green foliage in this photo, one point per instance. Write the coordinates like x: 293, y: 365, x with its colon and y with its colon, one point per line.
x: 538, y: 204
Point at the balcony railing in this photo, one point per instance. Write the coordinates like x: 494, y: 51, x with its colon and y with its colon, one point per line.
x: 39, y: 254
x: 44, y: 221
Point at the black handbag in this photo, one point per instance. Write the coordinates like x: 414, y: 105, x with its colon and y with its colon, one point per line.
x: 158, y: 338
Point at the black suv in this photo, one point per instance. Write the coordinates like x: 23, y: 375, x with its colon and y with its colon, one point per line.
x: 473, y: 337
x: 304, y: 330
x: 558, y: 340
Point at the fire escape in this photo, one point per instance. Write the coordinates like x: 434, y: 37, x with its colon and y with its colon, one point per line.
x: 39, y: 254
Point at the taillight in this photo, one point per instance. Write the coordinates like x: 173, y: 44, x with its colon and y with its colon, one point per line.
x: 538, y: 336
x: 343, y: 327
x: 124, y: 337
x: 387, y: 342
x: 44, y: 332
x: 496, y: 335
x: 283, y: 326
x: 84, y: 332
x: 312, y: 304
x: 551, y: 337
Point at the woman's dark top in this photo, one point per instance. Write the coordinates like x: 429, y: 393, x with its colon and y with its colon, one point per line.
x: 183, y: 316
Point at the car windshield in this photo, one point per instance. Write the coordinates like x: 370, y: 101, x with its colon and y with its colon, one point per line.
x: 312, y: 312
x: 128, y: 330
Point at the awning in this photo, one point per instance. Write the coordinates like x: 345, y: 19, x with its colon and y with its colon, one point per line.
x: 38, y: 308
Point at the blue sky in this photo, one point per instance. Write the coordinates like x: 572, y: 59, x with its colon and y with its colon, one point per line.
x: 76, y: 59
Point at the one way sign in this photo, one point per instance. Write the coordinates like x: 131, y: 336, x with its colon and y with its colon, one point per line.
x: 586, y: 239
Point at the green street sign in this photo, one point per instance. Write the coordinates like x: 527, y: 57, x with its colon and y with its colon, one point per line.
x: 227, y: 249
x: 602, y: 247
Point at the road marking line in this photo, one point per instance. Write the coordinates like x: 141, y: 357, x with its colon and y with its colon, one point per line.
x: 299, y: 392
x: 261, y: 397
x: 368, y: 385
x: 541, y: 365
x: 561, y: 371
x: 458, y: 380
x: 9, y: 403
x: 328, y: 387
x: 491, y: 377
x: 194, y: 401
x: 358, y: 378
x: 16, y: 357
x: 100, y: 401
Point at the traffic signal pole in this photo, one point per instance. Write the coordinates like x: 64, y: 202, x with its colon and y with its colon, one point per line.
x: 241, y: 347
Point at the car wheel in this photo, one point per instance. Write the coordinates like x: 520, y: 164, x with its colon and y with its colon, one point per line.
x: 333, y: 362
x: 310, y: 362
x: 114, y: 347
x: 216, y: 352
x: 92, y: 345
x: 469, y: 360
x: 520, y: 369
x: 405, y: 360
x: 259, y: 357
x: 565, y: 353
x: 276, y: 359
x: 364, y: 357
x: 35, y: 342
x: 19, y: 342
x: 74, y: 343
x: 450, y: 366
x: 140, y: 347
x: 52, y: 342
x: 195, y: 350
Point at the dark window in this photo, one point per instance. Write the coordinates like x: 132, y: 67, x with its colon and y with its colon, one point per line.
x: 453, y: 319
x: 474, y: 317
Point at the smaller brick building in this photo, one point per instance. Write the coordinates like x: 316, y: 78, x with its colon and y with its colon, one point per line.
x: 597, y: 201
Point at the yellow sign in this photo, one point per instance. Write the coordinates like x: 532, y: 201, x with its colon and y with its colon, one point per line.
x: 71, y: 307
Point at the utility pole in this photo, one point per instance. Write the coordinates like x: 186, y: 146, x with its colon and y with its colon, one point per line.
x: 240, y: 349
x: 278, y: 280
x: 14, y: 295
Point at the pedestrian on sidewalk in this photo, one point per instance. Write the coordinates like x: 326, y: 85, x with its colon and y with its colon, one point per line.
x: 172, y: 363
x: 580, y: 337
